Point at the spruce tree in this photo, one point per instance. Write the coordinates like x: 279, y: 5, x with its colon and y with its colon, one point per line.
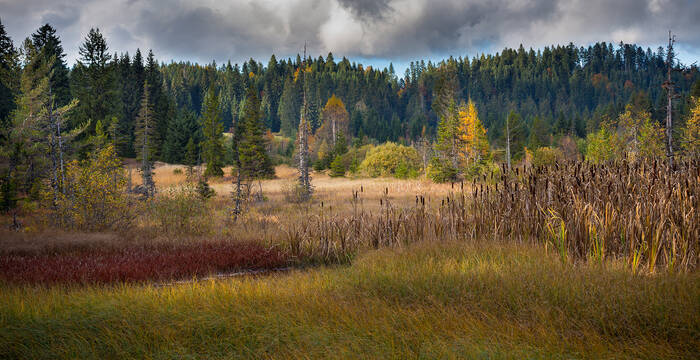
x: 47, y: 43
x: 181, y: 130
x: 9, y: 82
x: 288, y: 110
x: 94, y: 84
x: 255, y: 162
x: 144, y: 130
x: 212, y: 128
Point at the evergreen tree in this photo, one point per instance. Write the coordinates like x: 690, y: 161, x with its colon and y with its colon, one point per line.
x: 47, y: 43
x: 252, y: 149
x: 94, y: 84
x: 539, y: 134
x: 131, y: 74
x: 212, y: 129
x: 9, y: 82
x: 38, y: 139
x: 181, y: 130
x: 444, y: 166
x: 144, y: 130
x: 289, y: 108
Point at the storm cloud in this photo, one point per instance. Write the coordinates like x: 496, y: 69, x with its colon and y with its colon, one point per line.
x: 383, y: 30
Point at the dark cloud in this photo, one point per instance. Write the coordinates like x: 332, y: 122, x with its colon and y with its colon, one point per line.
x: 373, y: 9
x: 384, y: 30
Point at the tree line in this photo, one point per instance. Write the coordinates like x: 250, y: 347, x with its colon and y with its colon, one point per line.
x: 459, y: 108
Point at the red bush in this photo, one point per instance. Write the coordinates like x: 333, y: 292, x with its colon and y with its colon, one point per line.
x: 137, y: 263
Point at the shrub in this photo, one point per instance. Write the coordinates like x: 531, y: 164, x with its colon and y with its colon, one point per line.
x: 546, y: 156
x: 177, y: 211
x: 203, y: 189
x: 384, y: 159
x: 95, y: 195
x: 441, y: 171
x: 294, y: 193
x: 177, y: 171
x: 337, y: 167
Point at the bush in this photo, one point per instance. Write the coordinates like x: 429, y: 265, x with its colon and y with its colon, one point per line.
x: 546, y: 156
x: 337, y: 167
x: 95, y: 195
x: 203, y: 189
x: 384, y: 160
x: 294, y: 193
x: 177, y: 211
x: 177, y: 171
x: 441, y: 171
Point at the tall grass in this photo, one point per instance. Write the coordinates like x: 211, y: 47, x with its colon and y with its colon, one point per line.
x: 424, y: 301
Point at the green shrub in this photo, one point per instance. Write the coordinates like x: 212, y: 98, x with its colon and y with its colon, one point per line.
x: 384, y: 160
x: 177, y: 171
x: 204, y: 190
x: 337, y: 167
x: 441, y: 171
x: 95, y: 196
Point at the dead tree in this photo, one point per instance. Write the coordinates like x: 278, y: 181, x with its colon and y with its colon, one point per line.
x: 668, y: 85
x: 303, y: 143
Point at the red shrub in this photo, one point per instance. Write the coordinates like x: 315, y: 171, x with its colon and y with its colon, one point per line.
x: 137, y: 263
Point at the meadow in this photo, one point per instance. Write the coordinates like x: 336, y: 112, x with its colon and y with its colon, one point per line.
x: 569, y: 261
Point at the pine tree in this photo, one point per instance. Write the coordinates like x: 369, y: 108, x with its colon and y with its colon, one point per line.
x: 255, y: 162
x: 212, y: 128
x: 144, y: 130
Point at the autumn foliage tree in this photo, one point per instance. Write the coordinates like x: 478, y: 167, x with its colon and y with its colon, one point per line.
x: 474, y: 145
x: 690, y: 139
x: 336, y: 120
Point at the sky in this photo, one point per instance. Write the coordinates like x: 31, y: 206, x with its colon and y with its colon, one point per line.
x: 375, y: 32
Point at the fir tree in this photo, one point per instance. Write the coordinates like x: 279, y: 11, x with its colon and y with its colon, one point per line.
x: 212, y: 128
x: 145, y: 128
x: 94, y: 83
x: 47, y: 43
x: 255, y: 162
x: 181, y: 130
x: 9, y: 82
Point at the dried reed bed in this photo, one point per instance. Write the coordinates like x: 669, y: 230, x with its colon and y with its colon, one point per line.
x: 643, y: 213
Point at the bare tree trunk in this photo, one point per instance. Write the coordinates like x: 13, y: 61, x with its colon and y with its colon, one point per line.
x: 669, y: 91
x: 508, y: 143
x: 304, y: 179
